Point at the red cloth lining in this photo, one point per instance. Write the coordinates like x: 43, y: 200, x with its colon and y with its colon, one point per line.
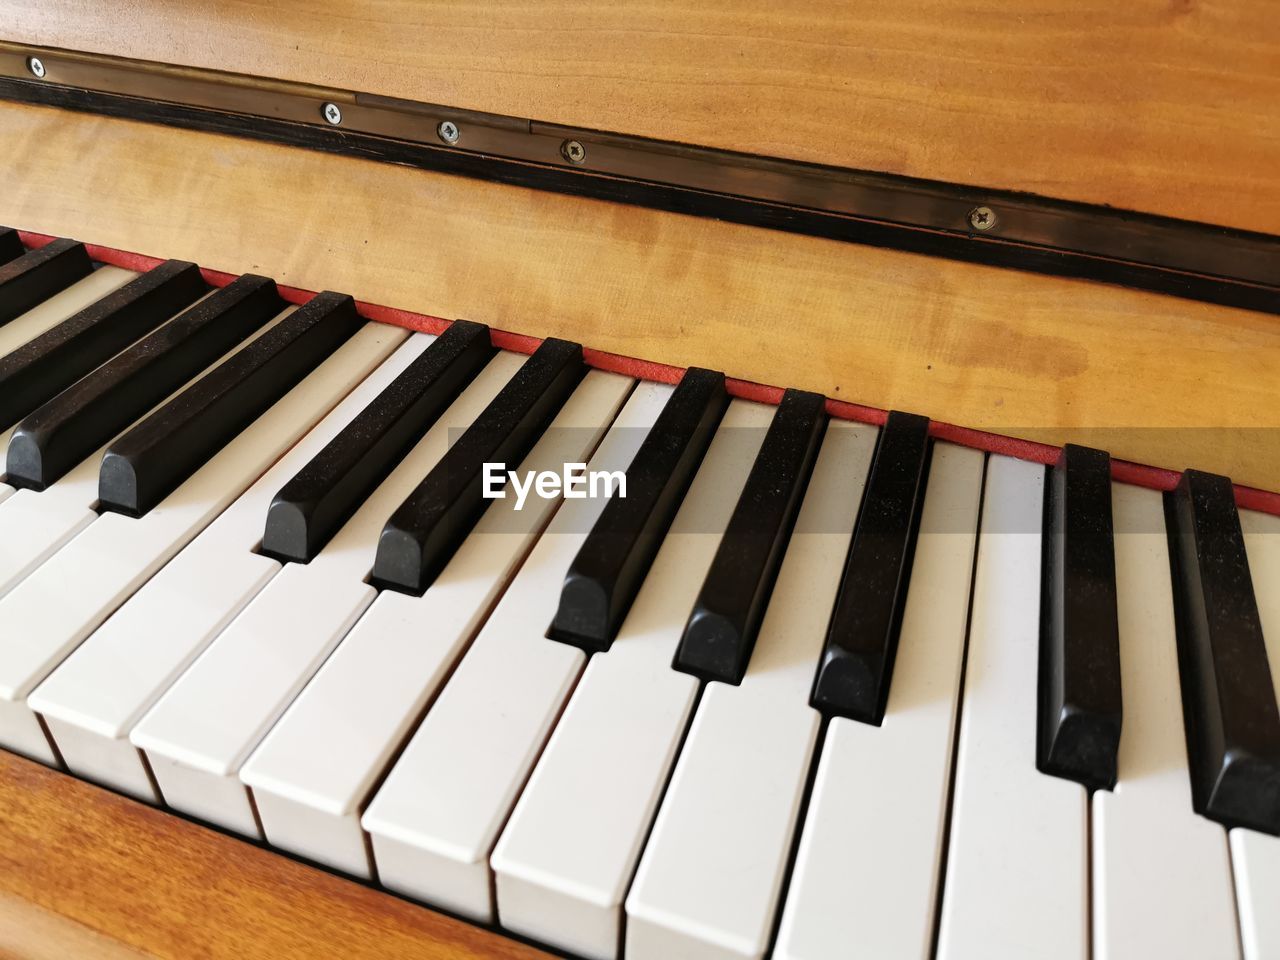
x: 1123, y: 471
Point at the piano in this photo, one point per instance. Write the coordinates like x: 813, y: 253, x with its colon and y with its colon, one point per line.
x: 640, y: 483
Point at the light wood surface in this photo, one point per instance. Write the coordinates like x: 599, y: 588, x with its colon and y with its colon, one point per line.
x: 89, y: 874
x: 1153, y: 379
x: 1165, y: 106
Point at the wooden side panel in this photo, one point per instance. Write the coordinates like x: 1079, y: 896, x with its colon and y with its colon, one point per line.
x: 1164, y: 106
x: 87, y: 873
x: 1153, y: 379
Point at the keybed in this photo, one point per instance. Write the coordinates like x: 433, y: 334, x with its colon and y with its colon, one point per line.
x: 809, y: 689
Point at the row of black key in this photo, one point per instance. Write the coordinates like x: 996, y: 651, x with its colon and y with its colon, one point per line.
x: 80, y: 383
x: 1231, y: 715
x: 73, y: 387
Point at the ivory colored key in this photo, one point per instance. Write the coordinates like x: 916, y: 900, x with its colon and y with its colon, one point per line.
x: 1255, y: 857
x: 1161, y: 873
x: 436, y: 817
x: 93, y: 700
x: 711, y: 873
x: 1016, y: 883
x: 201, y: 731
x: 312, y: 773
x: 880, y: 795
x: 564, y: 860
x: 48, y: 615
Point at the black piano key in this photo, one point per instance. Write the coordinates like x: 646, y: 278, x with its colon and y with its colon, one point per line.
x: 42, y: 368
x: 1079, y: 697
x: 604, y: 577
x: 1228, y: 701
x: 87, y: 414
x: 721, y: 631
x: 10, y: 244
x: 420, y: 537
x: 856, y: 668
x: 37, y: 275
x: 145, y: 465
x: 313, y: 505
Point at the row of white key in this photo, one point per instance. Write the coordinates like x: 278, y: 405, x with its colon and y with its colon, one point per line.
x: 312, y: 775
x: 63, y: 601
x: 221, y: 644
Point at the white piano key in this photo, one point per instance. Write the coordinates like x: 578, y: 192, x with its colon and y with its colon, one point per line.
x: 42, y: 317
x: 436, y: 817
x: 50, y: 612
x: 1255, y: 857
x: 1162, y: 875
x: 1256, y: 860
x: 564, y: 859
x: 34, y: 526
x: 1016, y: 883
x: 60, y: 306
x: 313, y: 771
x: 200, y: 732
x: 93, y: 699
x: 708, y: 881
x: 880, y: 795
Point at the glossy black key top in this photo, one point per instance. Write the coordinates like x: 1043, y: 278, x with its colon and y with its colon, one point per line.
x: 42, y: 368
x: 313, y: 505
x: 862, y: 640
x: 721, y: 632
x: 10, y: 244
x: 1079, y: 697
x: 38, y: 274
x: 418, y: 540
x: 91, y: 411
x: 1228, y: 700
x: 612, y: 563
x: 145, y: 465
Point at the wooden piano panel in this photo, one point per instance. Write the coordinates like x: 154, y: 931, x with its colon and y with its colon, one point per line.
x: 90, y: 874
x: 1164, y: 106
x: 1153, y: 379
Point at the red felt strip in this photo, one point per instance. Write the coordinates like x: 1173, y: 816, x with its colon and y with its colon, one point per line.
x: 1122, y: 471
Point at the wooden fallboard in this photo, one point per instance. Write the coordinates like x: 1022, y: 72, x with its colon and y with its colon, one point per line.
x: 88, y: 873
x: 1162, y: 106
x: 1153, y: 379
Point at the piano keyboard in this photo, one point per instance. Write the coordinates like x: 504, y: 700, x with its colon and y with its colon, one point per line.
x: 810, y: 689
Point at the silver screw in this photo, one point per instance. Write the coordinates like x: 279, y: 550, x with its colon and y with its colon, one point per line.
x: 982, y: 218
x: 36, y: 66
x: 448, y: 131
x: 332, y: 113
x: 573, y: 151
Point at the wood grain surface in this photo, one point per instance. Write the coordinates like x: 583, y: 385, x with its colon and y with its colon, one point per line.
x: 1153, y: 379
x: 1164, y: 106
x: 89, y: 874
